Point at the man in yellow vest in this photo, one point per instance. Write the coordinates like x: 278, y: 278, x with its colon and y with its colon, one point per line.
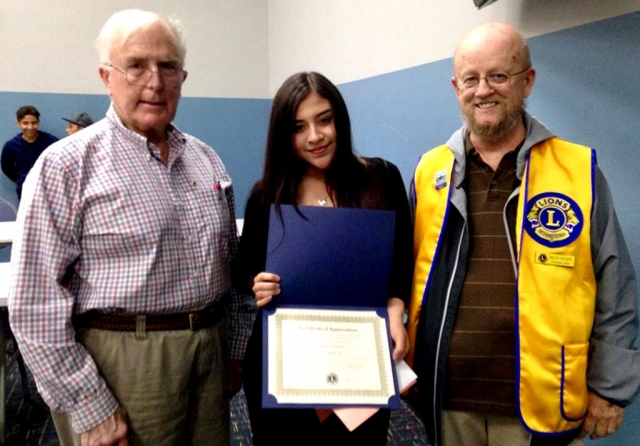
x: 523, y: 313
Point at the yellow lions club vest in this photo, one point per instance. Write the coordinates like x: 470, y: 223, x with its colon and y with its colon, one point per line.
x: 556, y: 287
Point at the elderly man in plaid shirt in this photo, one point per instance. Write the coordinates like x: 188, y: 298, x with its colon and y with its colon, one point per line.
x: 121, y: 279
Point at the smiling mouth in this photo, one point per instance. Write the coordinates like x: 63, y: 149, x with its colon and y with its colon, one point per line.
x: 485, y: 105
x: 153, y: 103
x: 319, y: 150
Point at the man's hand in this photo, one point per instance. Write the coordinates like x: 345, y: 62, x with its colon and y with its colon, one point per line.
x: 111, y: 432
x: 234, y: 376
x: 603, y: 418
x: 395, y: 308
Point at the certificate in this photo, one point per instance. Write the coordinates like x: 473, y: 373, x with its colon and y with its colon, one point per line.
x: 326, y: 341
x: 328, y: 358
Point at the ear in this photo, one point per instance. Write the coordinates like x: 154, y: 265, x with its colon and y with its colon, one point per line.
x: 529, y: 80
x: 105, y: 75
x: 454, y: 84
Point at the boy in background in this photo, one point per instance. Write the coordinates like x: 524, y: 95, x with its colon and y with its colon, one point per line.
x: 20, y: 153
x: 77, y: 122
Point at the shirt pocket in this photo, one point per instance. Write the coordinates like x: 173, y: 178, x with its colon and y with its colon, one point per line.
x: 208, y: 211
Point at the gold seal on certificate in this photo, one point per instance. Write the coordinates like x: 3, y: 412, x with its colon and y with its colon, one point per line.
x: 329, y: 357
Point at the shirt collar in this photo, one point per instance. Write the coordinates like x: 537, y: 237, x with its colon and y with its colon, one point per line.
x: 471, y: 151
x: 175, y: 138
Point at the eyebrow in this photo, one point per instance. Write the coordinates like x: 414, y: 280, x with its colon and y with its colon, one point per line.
x: 322, y: 114
x: 130, y: 60
x: 136, y: 59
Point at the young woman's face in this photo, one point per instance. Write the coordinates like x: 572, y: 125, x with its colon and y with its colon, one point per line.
x: 314, y: 136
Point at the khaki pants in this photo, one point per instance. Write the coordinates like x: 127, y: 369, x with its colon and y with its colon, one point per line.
x: 477, y: 429
x: 172, y: 384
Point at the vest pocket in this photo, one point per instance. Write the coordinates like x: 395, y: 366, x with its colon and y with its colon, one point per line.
x: 573, y: 385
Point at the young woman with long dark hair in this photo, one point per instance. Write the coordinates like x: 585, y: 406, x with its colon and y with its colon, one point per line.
x: 310, y: 161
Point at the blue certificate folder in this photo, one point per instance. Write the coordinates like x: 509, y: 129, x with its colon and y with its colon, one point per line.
x: 329, y: 258
x: 336, y: 257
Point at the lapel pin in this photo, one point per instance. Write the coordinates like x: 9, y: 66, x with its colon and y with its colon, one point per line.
x: 440, y: 179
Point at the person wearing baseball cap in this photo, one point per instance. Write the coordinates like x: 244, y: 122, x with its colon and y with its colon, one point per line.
x: 77, y: 122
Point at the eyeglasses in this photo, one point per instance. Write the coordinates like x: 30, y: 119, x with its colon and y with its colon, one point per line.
x: 170, y: 75
x: 494, y: 80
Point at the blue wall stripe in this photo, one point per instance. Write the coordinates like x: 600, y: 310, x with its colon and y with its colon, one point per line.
x: 235, y: 128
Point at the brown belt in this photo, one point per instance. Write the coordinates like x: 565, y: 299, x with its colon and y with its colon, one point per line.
x: 195, y: 320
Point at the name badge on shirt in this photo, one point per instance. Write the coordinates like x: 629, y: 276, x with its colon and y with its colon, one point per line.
x: 544, y: 258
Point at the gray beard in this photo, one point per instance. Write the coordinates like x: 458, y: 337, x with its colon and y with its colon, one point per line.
x: 495, y: 131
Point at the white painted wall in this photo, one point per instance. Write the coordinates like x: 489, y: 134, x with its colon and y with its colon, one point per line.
x: 48, y: 46
x: 246, y: 48
x: 349, y: 40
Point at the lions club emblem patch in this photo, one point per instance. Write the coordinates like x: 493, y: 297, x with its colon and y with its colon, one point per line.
x: 553, y: 219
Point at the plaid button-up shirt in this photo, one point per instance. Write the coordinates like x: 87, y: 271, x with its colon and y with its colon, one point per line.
x: 106, y: 224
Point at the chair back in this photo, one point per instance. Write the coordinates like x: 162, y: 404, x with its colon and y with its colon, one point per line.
x: 8, y: 211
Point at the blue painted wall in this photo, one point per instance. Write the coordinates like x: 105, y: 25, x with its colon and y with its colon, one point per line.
x: 235, y: 128
x: 587, y: 90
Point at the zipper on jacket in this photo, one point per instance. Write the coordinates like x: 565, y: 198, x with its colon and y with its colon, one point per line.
x: 444, y: 317
x: 514, y: 261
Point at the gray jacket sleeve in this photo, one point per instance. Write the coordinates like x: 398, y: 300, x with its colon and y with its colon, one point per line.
x: 614, y: 364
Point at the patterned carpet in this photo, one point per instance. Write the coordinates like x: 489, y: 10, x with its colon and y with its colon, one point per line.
x: 29, y: 423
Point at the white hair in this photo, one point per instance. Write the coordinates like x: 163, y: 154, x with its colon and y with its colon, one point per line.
x: 124, y: 23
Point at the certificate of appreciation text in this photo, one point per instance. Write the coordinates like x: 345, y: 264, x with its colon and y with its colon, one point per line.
x: 325, y: 357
